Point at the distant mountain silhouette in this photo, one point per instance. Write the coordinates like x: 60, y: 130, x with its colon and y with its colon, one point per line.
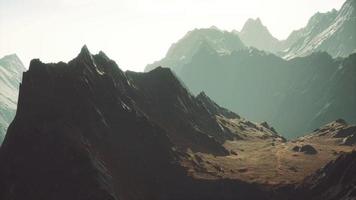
x: 295, y: 96
x: 181, y: 52
x: 11, y: 69
x: 255, y: 34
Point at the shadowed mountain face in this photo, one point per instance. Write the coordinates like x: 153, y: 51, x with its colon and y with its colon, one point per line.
x: 295, y: 96
x: 87, y: 130
x: 335, y: 181
x: 11, y: 69
x: 333, y: 32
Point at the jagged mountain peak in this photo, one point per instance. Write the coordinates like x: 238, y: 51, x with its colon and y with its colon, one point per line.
x: 252, y: 22
x: 332, y: 31
x: 253, y: 25
x: 85, y: 56
x: 183, y: 50
x: 11, y: 56
x: 350, y: 3
x: 347, y: 11
x: 84, y: 51
x: 214, y: 27
x: 255, y: 34
x: 12, y: 61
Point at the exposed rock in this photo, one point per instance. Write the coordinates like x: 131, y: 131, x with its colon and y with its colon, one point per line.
x: 296, y: 148
x: 346, y: 132
x: 349, y: 140
x: 307, y: 149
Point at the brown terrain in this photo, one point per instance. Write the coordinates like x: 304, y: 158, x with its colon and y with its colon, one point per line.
x: 270, y: 160
x: 87, y: 130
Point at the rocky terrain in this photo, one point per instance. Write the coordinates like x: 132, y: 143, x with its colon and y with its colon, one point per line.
x: 11, y: 69
x: 93, y: 131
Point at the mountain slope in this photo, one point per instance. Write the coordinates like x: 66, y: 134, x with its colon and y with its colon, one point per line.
x: 11, y: 69
x: 100, y: 133
x: 335, y: 181
x: 255, y: 34
x: 181, y: 52
x: 96, y: 132
x: 295, y: 96
x: 333, y: 32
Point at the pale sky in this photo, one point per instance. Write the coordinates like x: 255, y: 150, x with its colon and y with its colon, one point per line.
x: 134, y: 32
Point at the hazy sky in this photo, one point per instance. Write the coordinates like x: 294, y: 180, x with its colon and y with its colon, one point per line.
x: 134, y: 32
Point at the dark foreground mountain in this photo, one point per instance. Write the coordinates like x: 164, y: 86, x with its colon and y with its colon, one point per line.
x: 335, y: 181
x: 11, y: 69
x: 87, y: 130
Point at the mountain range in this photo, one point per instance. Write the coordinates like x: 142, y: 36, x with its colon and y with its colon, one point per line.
x: 295, y: 96
x: 11, y: 69
x: 93, y: 131
x: 181, y: 52
x: 255, y: 34
x: 224, y: 115
x: 292, y: 84
x: 333, y: 32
